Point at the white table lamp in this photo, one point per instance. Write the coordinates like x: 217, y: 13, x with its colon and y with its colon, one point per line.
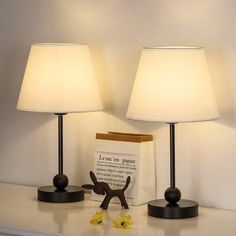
x: 172, y: 85
x: 59, y: 79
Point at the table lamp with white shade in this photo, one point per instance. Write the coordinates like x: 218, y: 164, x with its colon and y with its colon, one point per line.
x: 172, y: 85
x: 59, y: 79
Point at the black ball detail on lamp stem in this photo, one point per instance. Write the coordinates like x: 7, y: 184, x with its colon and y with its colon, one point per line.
x: 172, y: 195
x: 60, y: 181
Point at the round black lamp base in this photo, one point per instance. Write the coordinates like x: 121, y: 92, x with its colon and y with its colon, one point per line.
x: 162, y: 209
x: 69, y: 194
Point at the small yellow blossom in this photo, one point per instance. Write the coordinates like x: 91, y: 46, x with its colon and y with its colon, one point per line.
x: 97, y: 218
x: 123, y: 221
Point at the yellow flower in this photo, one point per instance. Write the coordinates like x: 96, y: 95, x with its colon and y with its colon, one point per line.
x: 97, y: 218
x: 123, y: 221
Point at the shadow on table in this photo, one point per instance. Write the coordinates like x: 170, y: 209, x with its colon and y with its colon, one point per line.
x: 173, y: 227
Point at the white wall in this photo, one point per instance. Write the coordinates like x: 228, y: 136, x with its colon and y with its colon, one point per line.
x: 116, y: 31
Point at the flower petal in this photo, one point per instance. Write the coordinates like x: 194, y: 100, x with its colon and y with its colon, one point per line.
x: 123, y: 221
x: 97, y: 218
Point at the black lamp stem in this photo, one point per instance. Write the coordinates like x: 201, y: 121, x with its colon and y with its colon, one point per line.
x: 172, y: 194
x: 172, y: 155
x: 60, y: 143
x: 60, y: 181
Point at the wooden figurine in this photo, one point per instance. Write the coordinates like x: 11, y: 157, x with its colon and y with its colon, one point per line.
x: 103, y: 188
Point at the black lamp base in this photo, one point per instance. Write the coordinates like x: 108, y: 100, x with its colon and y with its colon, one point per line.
x: 162, y: 209
x: 70, y: 194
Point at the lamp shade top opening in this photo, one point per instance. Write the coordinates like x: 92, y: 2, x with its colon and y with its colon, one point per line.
x: 172, y: 85
x: 172, y: 47
x: 60, y: 44
x: 59, y: 78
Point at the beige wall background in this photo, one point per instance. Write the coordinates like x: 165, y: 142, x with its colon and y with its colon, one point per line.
x: 116, y: 30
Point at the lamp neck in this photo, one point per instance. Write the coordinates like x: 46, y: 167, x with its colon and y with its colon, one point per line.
x: 60, y: 114
x: 60, y: 142
x: 172, y: 155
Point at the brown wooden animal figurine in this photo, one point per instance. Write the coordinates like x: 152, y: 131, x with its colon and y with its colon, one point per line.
x: 103, y: 188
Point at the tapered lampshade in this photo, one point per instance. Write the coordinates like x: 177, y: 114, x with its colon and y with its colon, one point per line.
x: 172, y: 85
x: 59, y: 78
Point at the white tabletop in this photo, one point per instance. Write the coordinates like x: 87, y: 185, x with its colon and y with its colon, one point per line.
x: 20, y: 210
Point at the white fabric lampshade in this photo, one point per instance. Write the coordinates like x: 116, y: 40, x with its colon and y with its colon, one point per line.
x: 59, y: 78
x: 172, y: 85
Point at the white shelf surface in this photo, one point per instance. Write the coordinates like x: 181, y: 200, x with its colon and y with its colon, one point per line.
x: 22, y: 214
